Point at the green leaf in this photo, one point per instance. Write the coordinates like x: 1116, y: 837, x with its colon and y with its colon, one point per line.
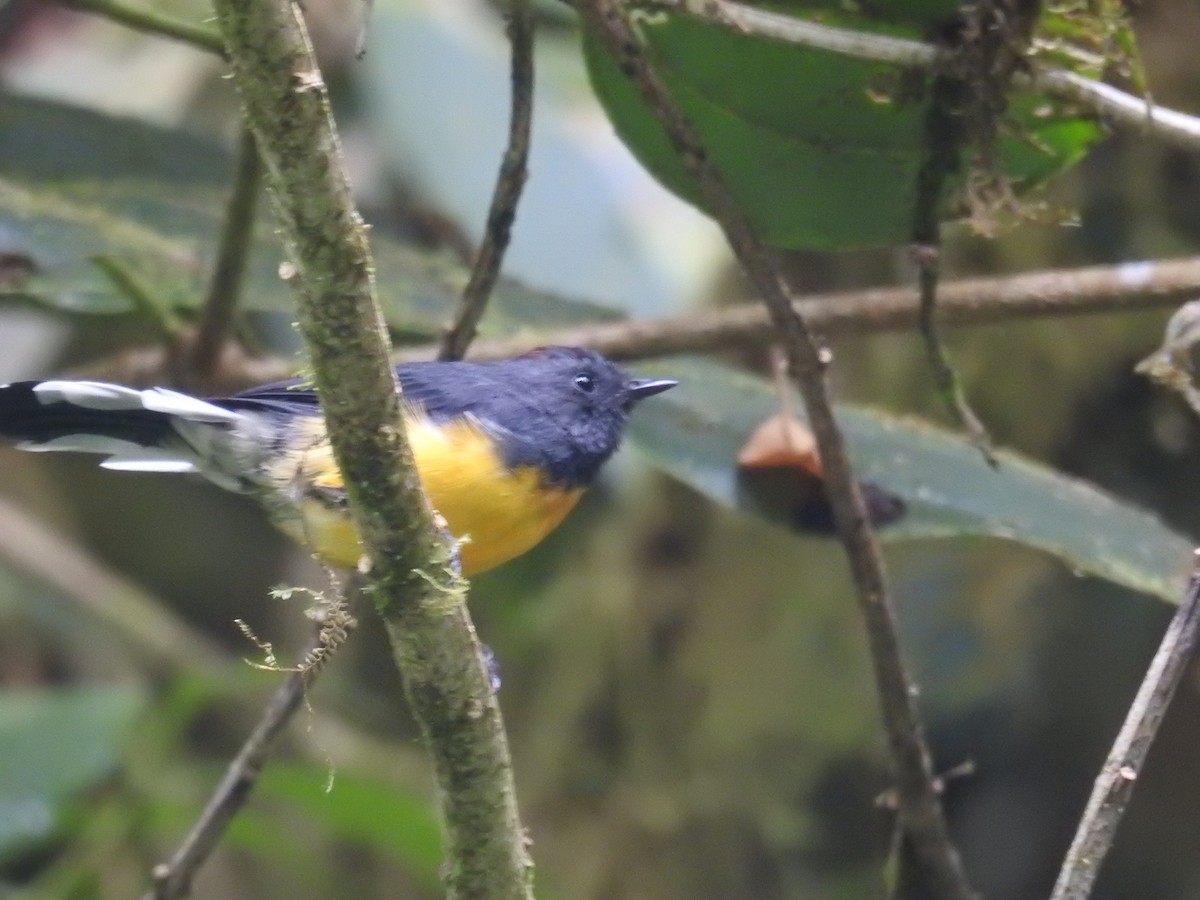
x: 55, y: 743
x: 949, y: 491
x: 822, y: 151
x: 152, y: 200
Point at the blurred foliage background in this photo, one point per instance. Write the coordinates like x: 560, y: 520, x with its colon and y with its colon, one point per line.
x: 686, y: 688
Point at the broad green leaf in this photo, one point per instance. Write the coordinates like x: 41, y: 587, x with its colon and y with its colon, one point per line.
x: 129, y: 198
x: 696, y: 430
x: 53, y: 744
x: 822, y: 151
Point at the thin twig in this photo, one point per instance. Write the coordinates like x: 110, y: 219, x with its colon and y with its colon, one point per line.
x: 961, y: 112
x: 173, y: 879
x: 1107, y: 102
x: 509, y: 182
x: 225, y: 288
x: 412, y: 575
x: 1128, y: 287
x: 946, y: 377
x: 920, y: 806
x: 141, y: 296
x: 1118, y: 777
x: 151, y: 22
x: 1118, y: 107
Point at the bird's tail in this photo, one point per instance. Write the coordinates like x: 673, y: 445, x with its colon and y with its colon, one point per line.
x: 153, y: 430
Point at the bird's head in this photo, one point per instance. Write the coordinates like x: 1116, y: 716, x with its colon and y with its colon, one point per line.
x: 581, y: 402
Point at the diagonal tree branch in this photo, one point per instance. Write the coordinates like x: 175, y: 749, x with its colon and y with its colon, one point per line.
x: 919, y: 804
x: 410, y: 565
x: 173, y: 879
x: 509, y: 182
x: 1118, y: 776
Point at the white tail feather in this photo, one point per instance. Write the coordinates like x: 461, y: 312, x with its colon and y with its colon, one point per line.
x: 175, y: 404
x: 99, y: 395
x: 131, y: 464
x: 123, y: 456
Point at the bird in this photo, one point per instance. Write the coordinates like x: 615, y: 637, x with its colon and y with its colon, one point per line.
x: 504, y: 449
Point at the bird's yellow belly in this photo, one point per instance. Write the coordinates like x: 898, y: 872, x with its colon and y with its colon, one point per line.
x: 498, y: 513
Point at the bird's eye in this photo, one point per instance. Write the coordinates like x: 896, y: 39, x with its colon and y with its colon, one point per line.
x: 585, y: 383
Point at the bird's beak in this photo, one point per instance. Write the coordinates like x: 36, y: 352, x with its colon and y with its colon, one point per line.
x: 640, y: 389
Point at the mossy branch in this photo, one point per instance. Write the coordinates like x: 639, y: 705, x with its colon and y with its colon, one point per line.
x: 409, y: 562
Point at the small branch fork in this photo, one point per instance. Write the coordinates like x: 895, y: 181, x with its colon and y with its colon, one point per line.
x: 1118, y: 777
x: 509, y: 183
x: 920, y: 805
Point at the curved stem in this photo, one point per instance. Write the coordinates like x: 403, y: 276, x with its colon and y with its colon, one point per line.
x: 509, y: 182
